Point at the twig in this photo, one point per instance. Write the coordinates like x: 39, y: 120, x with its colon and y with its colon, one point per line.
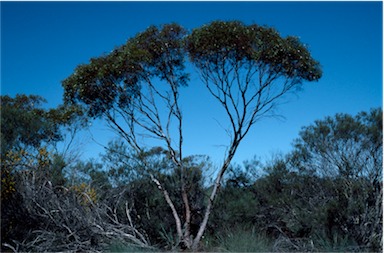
x: 10, y: 246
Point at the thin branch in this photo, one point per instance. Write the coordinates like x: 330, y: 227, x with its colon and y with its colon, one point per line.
x: 170, y: 204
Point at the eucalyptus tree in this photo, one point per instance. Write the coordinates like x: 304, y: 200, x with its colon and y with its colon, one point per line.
x: 136, y: 88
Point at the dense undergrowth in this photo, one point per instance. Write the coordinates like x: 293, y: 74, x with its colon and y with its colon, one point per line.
x: 325, y: 195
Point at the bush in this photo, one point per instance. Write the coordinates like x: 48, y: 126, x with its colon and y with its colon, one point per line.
x: 65, y: 220
x: 240, y: 240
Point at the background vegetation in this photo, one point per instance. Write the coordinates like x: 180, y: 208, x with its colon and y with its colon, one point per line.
x: 325, y: 195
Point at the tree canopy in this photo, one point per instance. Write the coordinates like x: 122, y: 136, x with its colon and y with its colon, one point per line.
x: 117, y: 78
x: 220, y: 42
x: 343, y: 145
x: 24, y: 123
x: 161, y: 52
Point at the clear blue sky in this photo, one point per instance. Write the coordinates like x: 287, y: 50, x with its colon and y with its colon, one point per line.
x: 42, y: 43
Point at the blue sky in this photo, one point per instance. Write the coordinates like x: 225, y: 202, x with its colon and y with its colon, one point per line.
x: 42, y: 43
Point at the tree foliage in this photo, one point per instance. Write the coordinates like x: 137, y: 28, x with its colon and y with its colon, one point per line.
x: 220, y: 43
x: 114, y: 80
x: 343, y: 145
x: 25, y: 124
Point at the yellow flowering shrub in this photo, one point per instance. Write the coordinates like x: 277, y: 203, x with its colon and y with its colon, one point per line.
x: 8, y: 184
x: 43, y: 158
x: 21, y: 161
x: 86, y: 194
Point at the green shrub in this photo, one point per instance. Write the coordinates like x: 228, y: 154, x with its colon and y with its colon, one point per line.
x: 338, y: 243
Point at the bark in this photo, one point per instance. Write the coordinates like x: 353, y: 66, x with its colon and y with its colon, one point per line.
x: 187, y: 228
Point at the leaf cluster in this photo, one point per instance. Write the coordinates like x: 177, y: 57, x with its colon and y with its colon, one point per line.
x: 116, y: 78
x: 233, y: 41
x: 25, y: 124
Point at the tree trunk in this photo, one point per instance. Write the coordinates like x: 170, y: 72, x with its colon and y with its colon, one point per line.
x: 187, y: 240
x: 212, y: 197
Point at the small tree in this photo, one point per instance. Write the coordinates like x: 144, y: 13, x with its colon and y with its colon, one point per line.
x: 136, y: 89
x: 348, y: 150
